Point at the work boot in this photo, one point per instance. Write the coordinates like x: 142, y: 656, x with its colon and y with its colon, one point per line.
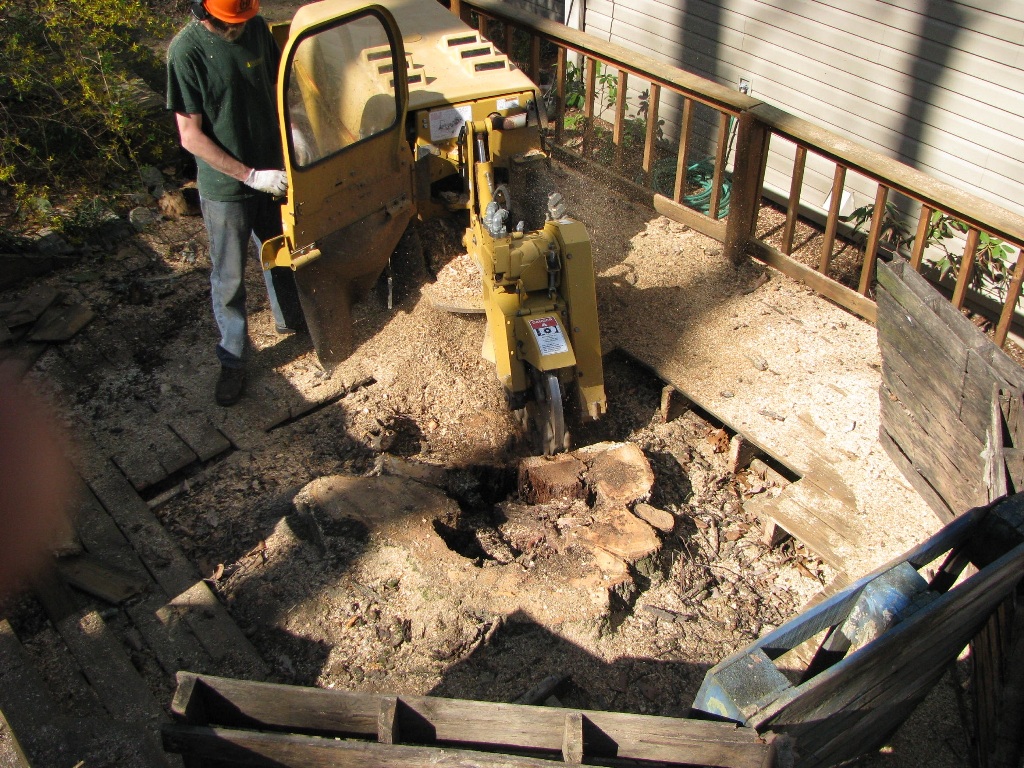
x: 229, y: 385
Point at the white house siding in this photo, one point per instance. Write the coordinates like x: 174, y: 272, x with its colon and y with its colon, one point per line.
x: 935, y: 83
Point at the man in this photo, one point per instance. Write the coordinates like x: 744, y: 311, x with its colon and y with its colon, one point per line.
x: 221, y: 70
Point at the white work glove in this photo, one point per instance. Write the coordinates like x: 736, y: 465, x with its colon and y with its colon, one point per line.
x: 271, y: 182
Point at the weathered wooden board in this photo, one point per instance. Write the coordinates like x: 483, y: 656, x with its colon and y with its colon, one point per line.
x: 936, y: 459
x: 211, y: 708
x: 94, y: 576
x: 201, y: 436
x: 25, y: 700
x: 191, y: 601
x: 153, y: 454
x: 31, y: 306
x: 60, y: 323
x: 816, y: 518
x: 109, y: 671
x: 939, y: 372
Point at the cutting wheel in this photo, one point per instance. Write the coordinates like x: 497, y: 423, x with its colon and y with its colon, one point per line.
x: 548, y: 414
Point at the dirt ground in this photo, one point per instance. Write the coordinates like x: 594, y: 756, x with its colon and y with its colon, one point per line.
x: 474, y: 612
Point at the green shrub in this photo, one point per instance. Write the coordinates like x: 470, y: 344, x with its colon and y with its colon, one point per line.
x: 71, y: 106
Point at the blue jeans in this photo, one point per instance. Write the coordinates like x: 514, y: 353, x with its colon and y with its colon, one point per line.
x: 230, y: 226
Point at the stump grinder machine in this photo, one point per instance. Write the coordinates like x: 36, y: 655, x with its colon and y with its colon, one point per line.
x: 398, y: 110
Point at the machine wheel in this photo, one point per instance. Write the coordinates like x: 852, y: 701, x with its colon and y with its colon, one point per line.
x: 547, y: 414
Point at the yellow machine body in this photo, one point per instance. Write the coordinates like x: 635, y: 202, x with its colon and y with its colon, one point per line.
x: 397, y: 109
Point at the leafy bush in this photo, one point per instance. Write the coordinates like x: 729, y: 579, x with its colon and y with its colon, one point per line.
x: 70, y: 106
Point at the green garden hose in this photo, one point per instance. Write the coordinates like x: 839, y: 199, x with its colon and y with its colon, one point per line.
x: 700, y: 174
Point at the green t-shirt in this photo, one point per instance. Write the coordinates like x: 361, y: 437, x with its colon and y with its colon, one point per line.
x: 232, y: 86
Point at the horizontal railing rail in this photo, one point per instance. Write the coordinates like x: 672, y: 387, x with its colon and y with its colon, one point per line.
x: 929, y: 205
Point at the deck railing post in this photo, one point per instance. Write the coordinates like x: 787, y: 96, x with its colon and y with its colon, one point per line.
x: 751, y: 145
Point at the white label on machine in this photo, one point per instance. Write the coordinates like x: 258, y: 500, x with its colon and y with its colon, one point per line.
x: 446, y: 123
x: 508, y: 103
x: 549, y: 336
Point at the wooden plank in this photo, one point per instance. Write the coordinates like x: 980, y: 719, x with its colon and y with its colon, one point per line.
x: 275, y: 750
x: 139, y: 466
x: 961, y: 487
x: 903, y: 462
x: 109, y: 671
x: 60, y: 323
x: 840, y: 294
x: 266, y: 706
x: 25, y: 700
x: 930, y: 409
x: 817, y: 519
x: 31, y: 306
x: 201, y: 437
x: 156, y: 454
x: 193, y: 602
x: 94, y: 576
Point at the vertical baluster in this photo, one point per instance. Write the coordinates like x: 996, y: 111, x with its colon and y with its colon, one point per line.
x: 793, y: 209
x: 651, y: 136
x: 620, y: 109
x: 1012, y: 295
x: 591, y: 87
x: 681, y: 156
x: 724, y: 118
x: 560, y: 93
x: 963, y: 278
x: 923, y: 224
x: 867, y: 270
x: 832, y: 222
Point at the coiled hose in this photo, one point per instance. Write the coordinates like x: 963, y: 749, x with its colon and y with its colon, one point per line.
x: 700, y: 174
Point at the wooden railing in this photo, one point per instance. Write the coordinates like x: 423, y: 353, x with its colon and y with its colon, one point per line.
x: 756, y: 124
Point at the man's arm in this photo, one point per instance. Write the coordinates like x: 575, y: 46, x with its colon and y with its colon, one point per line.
x: 190, y: 130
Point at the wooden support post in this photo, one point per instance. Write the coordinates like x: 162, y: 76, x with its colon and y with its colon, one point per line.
x: 651, y: 136
x: 963, y: 278
x: 921, y: 238
x: 724, y: 118
x: 572, y: 738
x: 867, y: 271
x: 560, y: 68
x: 832, y: 222
x: 387, y: 720
x: 793, y: 209
x: 686, y: 125
x: 509, y: 39
x: 751, y: 142
x: 1012, y: 295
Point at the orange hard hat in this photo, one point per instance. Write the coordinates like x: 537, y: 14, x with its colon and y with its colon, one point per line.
x: 232, y: 11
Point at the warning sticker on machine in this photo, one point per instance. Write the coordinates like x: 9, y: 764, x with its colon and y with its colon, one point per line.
x: 446, y: 123
x: 549, y: 336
